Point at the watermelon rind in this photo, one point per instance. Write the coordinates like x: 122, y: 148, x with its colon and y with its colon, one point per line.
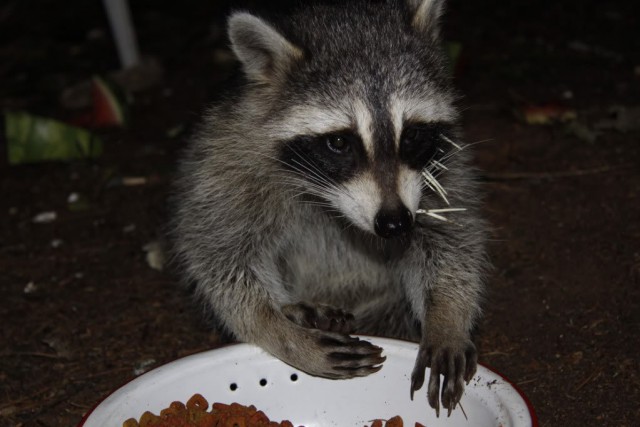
x: 110, y: 103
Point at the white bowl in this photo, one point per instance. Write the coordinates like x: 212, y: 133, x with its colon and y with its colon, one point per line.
x: 245, y: 374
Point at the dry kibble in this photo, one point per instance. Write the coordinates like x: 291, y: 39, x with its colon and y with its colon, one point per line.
x: 391, y: 422
x: 395, y: 422
x: 195, y: 414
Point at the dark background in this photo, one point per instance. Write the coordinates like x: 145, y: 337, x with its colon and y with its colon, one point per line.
x: 562, y: 314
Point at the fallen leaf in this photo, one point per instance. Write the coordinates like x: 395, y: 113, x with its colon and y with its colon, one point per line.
x: 582, y: 131
x: 547, y: 114
x: 155, y: 255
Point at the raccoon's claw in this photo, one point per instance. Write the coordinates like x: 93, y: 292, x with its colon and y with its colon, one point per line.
x: 349, y: 357
x: 456, y: 363
x: 323, y: 317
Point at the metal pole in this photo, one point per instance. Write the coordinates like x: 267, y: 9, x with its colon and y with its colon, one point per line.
x: 123, y: 32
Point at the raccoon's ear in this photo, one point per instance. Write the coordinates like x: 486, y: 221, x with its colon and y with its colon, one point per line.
x: 263, y: 51
x: 426, y: 16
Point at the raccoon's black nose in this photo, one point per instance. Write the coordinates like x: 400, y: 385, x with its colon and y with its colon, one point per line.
x: 393, y: 223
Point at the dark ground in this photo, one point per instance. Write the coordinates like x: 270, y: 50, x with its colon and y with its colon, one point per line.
x: 562, y: 315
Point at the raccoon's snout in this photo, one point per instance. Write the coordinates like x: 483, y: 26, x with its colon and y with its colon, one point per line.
x: 393, y: 222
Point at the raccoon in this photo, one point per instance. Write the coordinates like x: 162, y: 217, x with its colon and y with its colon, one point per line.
x: 330, y: 195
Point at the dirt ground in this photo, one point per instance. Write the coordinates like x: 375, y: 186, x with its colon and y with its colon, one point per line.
x: 82, y: 311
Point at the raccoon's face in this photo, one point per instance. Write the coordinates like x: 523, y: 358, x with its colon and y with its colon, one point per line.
x: 365, y: 135
x: 369, y: 165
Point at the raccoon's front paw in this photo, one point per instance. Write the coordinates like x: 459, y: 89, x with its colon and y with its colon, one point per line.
x: 318, y: 343
x: 455, y: 361
x: 323, y: 317
x: 339, y: 356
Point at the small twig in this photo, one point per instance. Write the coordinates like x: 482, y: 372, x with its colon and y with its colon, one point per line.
x: 463, y: 412
x: 527, y: 381
x: 79, y: 405
x: 102, y: 374
x: 32, y: 354
x: 18, y: 402
x: 590, y: 378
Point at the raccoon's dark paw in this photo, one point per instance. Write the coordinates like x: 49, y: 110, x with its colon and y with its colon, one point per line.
x: 323, y: 317
x: 456, y: 362
x: 341, y: 356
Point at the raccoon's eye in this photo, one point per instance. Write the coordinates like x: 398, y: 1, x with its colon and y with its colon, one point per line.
x: 411, y: 136
x: 419, y: 143
x: 337, y: 143
x: 419, y: 135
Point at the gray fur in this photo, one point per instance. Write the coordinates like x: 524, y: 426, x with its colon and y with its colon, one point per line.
x: 271, y: 258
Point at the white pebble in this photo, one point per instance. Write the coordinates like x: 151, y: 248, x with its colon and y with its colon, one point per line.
x: 30, y: 288
x: 73, y: 198
x: 45, y: 217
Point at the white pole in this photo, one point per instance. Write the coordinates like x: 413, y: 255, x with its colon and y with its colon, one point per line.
x: 123, y: 32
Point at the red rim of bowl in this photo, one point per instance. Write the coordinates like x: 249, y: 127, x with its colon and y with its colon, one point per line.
x: 532, y: 412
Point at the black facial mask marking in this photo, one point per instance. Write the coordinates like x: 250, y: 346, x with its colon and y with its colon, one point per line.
x: 336, y: 156
x: 420, y: 143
